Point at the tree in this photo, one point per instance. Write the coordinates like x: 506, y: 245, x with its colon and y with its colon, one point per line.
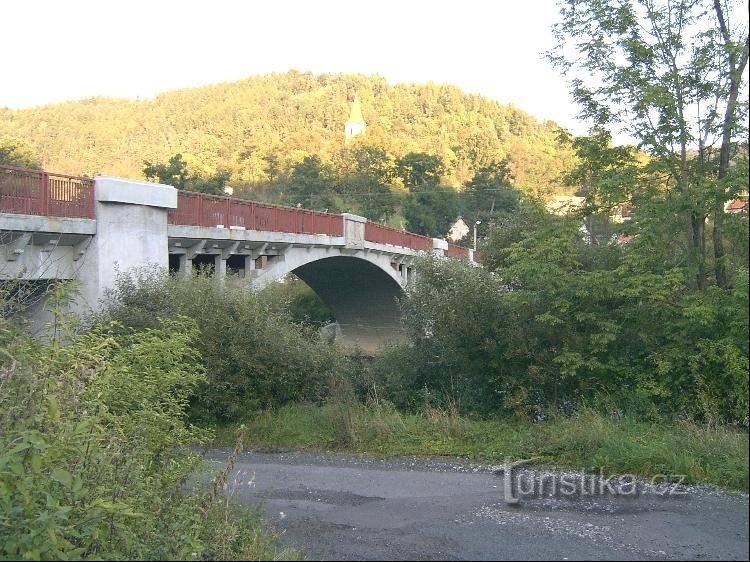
x: 310, y: 185
x: 419, y: 171
x: 17, y: 152
x: 431, y: 213
x: 368, y: 184
x: 669, y: 74
x: 604, y: 175
x: 734, y: 57
x: 490, y: 193
x: 372, y: 197
x: 374, y: 162
x: 213, y: 184
x: 174, y: 173
x: 272, y: 167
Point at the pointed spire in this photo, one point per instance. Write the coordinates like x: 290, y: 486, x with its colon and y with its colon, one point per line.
x: 356, y: 113
x: 356, y: 124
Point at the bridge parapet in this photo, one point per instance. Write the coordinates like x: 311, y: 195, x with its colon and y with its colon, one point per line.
x: 40, y: 193
x: 199, y: 209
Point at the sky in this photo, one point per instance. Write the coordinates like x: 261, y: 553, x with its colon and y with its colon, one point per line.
x: 57, y: 50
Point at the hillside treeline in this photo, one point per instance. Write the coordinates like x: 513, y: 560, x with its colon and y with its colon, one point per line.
x: 258, y: 128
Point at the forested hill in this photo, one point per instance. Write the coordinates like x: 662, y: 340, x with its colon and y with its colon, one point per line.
x: 236, y: 126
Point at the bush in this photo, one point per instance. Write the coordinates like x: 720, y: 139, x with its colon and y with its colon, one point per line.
x: 253, y: 354
x: 96, y: 448
x: 552, y: 324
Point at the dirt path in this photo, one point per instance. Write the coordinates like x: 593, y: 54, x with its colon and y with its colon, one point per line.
x: 339, y: 507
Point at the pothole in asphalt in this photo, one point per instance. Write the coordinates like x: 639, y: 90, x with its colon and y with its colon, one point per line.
x: 323, y: 496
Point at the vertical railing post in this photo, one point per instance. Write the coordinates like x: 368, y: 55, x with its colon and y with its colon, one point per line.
x: 91, y: 199
x: 228, y: 212
x: 44, y: 194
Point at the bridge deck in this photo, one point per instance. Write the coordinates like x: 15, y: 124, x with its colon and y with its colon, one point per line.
x: 54, y: 197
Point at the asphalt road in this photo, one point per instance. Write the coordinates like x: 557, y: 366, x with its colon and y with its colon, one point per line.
x: 343, y: 507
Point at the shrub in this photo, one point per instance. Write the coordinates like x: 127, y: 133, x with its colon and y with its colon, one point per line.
x: 552, y: 324
x: 96, y: 450
x: 253, y: 354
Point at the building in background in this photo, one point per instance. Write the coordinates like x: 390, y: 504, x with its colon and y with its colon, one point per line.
x: 458, y: 230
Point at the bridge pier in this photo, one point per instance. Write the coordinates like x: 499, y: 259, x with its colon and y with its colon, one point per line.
x: 131, y: 232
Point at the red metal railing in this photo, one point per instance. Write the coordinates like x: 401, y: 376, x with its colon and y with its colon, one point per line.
x: 198, y: 209
x: 457, y: 252
x: 35, y: 192
x: 385, y: 235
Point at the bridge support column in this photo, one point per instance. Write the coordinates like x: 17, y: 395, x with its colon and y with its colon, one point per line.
x: 249, y: 265
x: 131, y: 232
x: 186, y: 266
x: 220, y: 268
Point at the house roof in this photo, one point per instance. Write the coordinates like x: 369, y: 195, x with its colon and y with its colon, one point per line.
x: 561, y: 204
x: 736, y: 205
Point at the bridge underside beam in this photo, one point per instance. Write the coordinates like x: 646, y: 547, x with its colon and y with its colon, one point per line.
x: 38, y: 256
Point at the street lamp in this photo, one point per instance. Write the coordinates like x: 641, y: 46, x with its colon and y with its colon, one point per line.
x: 475, y: 234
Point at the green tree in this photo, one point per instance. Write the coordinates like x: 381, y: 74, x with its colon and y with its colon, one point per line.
x: 374, y: 162
x: 669, y: 74
x: 213, y: 184
x: 432, y: 212
x: 365, y: 181
x: 419, y: 171
x: 310, y: 185
x: 605, y: 175
x: 174, y: 172
x: 272, y: 167
x: 490, y: 193
x: 17, y: 152
x: 551, y: 322
x: 374, y: 199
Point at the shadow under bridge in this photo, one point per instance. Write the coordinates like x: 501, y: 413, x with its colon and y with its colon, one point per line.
x: 363, y: 299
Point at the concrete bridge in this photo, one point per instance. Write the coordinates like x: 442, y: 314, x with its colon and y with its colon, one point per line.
x: 63, y: 227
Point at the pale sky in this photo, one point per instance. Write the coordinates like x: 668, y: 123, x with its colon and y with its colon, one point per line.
x: 56, y: 50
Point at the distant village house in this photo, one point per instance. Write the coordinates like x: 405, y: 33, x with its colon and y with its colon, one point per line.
x: 458, y: 230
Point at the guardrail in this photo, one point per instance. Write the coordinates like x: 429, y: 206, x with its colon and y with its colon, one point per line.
x: 457, y: 252
x: 36, y: 192
x: 199, y: 209
x: 386, y: 235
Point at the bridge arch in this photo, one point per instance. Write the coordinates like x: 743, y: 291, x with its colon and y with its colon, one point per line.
x: 361, y: 292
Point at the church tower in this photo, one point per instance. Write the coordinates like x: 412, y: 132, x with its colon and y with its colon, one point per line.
x: 356, y: 124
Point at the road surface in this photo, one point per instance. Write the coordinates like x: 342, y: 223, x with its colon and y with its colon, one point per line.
x: 345, y: 507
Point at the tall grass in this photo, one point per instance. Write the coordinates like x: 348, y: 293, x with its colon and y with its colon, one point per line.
x: 588, y: 439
